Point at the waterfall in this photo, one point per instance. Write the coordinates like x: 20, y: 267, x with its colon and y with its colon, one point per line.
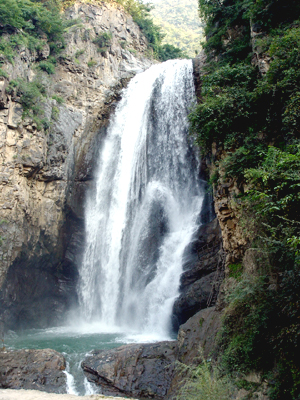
x: 144, y: 208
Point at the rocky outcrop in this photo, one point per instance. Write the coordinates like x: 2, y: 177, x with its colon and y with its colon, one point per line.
x: 259, y: 58
x: 45, y: 174
x: 197, y: 336
x: 227, y: 210
x: 33, y: 369
x: 152, y: 370
x: 137, y: 370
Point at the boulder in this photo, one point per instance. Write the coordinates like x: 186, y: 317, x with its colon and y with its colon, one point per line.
x: 33, y: 369
x: 137, y: 370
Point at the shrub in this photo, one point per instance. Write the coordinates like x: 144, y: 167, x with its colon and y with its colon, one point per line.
x: 103, y: 41
x: 91, y: 63
x: 59, y: 99
x: 204, y: 382
x: 79, y: 53
x: 47, y: 67
x: 3, y: 73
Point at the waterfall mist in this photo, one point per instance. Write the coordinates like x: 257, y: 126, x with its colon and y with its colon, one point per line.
x: 144, y: 208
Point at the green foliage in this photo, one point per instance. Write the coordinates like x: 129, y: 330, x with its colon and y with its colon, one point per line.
x: 55, y: 113
x: 59, y: 99
x: 180, y: 24
x: 167, y: 52
x: 31, y: 96
x: 3, y: 73
x: 31, y: 18
x: 91, y: 63
x: 1, y: 240
x: 226, y: 108
x: 79, y: 53
x: 141, y: 15
x: 204, y: 382
x: 235, y: 270
x: 47, y: 67
x: 103, y: 41
x: 253, y: 117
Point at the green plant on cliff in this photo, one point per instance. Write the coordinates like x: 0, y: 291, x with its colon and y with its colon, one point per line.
x: 103, y: 41
x: 204, y: 382
x: 31, y: 96
x: 27, y: 21
x: 251, y: 115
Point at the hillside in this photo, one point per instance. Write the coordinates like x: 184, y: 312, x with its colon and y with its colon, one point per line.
x: 180, y: 23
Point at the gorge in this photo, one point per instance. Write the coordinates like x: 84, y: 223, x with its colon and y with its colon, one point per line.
x: 135, y: 207
x: 140, y: 175
x: 142, y: 213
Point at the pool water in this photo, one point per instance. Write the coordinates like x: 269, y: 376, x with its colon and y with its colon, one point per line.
x: 75, y: 343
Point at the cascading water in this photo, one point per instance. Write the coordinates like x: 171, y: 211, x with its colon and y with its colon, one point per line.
x: 144, y: 208
x: 141, y: 216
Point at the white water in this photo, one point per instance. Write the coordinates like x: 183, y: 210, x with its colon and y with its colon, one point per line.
x: 144, y: 208
x: 71, y: 387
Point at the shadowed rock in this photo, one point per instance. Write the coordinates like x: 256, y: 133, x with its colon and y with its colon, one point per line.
x: 137, y: 370
x: 196, y: 282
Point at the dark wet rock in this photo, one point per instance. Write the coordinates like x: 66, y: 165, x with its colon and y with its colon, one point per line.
x: 194, y: 298
x: 137, y: 370
x: 197, y: 280
x: 198, y: 332
x: 33, y: 369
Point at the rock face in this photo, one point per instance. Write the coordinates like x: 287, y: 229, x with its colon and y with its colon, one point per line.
x: 198, y: 332
x: 150, y: 370
x: 196, y: 339
x: 137, y: 370
x: 199, y: 282
x: 33, y: 369
x: 44, y: 176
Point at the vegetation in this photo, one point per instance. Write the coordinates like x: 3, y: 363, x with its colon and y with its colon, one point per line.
x: 204, y: 382
x: 252, y: 116
x: 141, y: 15
x: 180, y: 24
x: 31, y: 96
x: 27, y: 21
x: 103, y: 41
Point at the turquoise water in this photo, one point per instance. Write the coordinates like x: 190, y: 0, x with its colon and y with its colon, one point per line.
x: 75, y: 343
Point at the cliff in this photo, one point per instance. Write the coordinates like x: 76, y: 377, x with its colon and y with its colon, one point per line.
x: 45, y: 172
x: 247, y: 124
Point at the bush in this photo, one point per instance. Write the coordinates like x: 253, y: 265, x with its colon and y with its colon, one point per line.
x: 47, y: 67
x: 204, y: 382
x: 31, y: 97
x: 3, y: 73
x: 59, y: 99
x: 91, y: 63
x: 103, y: 41
x: 33, y: 17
